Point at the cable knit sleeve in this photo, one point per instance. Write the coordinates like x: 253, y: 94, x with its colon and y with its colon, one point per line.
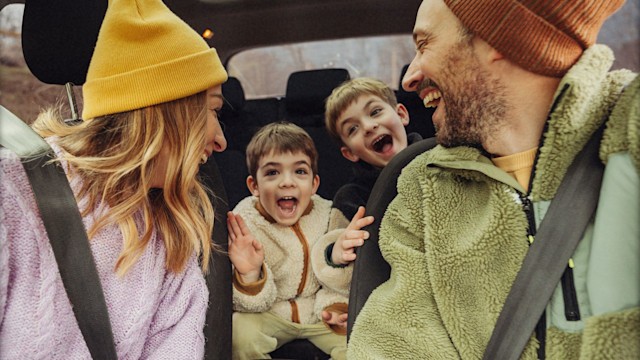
x: 176, y: 330
x: 4, y: 255
x: 15, y: 209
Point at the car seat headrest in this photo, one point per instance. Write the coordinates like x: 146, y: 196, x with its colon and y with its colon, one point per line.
x: 308, y: 90
x: 233, y: 95
x: 58, y: 43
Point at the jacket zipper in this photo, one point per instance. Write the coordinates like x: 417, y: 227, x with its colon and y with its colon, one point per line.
x: 541, y: 326
x: 571, y: 308
x: 295, y: 314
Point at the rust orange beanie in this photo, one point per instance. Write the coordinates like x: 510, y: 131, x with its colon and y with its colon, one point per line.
x: 543, y: 36
x: 146, y: 55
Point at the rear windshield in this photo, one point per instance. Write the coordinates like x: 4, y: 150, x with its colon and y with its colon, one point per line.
x: 263, y: 72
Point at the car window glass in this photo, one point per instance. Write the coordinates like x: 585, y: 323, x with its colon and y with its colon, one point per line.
x: 263, y: 72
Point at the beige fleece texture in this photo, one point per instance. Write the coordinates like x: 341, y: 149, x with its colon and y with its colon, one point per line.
x: 284, y: 262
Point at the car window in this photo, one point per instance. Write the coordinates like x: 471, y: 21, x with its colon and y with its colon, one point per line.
x: 263, y: 72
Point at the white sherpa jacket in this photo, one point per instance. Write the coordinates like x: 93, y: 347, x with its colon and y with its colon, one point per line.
x: 288, y: 288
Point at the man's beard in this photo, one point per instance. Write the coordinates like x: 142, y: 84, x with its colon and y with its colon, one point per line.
x: 474, y: 99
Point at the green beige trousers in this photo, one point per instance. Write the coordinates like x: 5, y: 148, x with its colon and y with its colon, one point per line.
x: 255, y: 335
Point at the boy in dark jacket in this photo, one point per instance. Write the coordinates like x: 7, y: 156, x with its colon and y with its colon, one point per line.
x: 364, y: 116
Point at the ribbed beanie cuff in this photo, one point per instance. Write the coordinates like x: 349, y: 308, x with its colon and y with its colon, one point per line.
x: 153, y: 84
x: 545, y: 36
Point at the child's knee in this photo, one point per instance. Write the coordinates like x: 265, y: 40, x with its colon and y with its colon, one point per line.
x: 339, y: 352
x: 245, y: 328
x: 248, y: 339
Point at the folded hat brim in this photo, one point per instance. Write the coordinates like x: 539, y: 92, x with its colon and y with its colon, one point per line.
x: 58, y: 38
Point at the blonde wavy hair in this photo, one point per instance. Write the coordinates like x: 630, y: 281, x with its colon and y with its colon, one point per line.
x: 116, y: 156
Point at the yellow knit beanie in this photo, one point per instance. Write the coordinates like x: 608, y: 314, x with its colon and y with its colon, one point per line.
x: 543, y: 36
x: 146, y: 55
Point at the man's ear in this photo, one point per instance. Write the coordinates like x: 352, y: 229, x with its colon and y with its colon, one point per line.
x: 252, y: 185
x: 403, y: 113
x: 316, y: 183
x: 346, y: 152
x: 486, y: 52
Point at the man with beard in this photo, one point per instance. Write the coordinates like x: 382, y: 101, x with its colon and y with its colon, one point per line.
x: 520, y: 88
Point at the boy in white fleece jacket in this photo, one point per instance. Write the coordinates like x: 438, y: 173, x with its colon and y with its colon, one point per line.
x: 276, y: 295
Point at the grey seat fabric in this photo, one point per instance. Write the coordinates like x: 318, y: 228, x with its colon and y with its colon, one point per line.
x: 239, y: 125
x: 370, y: 269
x: 307, y: 91
x: 238, y: 130
x: 233, y: 168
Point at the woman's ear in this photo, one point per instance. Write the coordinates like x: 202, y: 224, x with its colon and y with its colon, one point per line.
x: 252, y: 185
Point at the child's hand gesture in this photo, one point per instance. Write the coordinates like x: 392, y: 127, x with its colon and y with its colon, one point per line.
x: 352, y: 237
x: 335, y: 318
x: 246, y: 253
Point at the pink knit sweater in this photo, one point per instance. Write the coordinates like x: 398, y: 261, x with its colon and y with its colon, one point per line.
x: 154, y: 314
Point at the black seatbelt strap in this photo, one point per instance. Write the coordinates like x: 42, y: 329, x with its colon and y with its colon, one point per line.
x: 557, y: 238
x: 67, y: 235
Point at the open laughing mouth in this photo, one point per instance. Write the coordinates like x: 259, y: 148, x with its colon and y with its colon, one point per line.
x: 382, y: 143
x: 432, y: 98
x: 287, y: 205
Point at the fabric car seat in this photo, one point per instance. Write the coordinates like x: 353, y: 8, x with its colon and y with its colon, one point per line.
x: 370, y: 268
x: 419, y: 116
x: 63, y: 55
x: 305, y: 99
x: 306, y: 94
x: 239, y: 127
x: 238, y: 132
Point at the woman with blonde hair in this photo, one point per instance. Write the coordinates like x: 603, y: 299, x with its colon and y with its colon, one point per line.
x: 151, y: 103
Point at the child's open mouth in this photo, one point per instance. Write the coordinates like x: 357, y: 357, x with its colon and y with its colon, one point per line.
x: 382, y: 143
x: 287, y: 205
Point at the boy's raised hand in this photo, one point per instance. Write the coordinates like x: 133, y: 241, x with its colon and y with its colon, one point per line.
x: 245, y: 252
x: 352, y: 237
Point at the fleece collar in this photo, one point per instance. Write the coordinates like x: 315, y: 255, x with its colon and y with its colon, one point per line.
x: 582, y: 103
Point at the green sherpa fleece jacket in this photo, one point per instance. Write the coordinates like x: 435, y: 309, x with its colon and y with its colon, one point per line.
x: 455, y: 237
